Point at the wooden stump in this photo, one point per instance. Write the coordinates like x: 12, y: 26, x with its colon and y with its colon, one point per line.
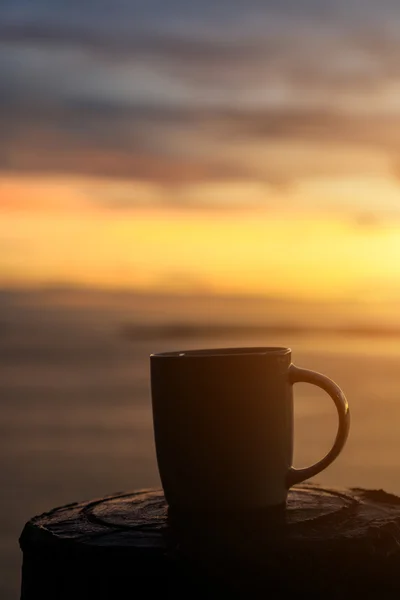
x: 326, y: 544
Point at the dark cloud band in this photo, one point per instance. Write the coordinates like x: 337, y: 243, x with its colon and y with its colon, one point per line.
x: 139, y: 91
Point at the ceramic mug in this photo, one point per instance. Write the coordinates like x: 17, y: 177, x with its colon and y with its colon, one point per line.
x: 223, y: 426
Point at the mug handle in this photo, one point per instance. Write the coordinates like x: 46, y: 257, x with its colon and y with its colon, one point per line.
x: 296, y: 374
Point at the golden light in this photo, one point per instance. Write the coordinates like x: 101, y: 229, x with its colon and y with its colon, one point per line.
x: 282, y: 252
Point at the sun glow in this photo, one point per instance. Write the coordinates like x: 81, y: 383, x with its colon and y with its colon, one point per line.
x: 286, y: 252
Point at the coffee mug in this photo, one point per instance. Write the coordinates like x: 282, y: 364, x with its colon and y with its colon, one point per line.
x: 223, y: 426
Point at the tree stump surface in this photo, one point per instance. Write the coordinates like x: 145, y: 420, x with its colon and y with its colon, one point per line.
x: 327, y: 543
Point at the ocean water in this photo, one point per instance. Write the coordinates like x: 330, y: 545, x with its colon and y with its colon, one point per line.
x: 76, y: 423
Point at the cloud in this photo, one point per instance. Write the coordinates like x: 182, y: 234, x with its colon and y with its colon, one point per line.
x: 228, y: 44
x: 367, y: 221
x: 109, y: 144
x: 173, y: 147
x: 177, y: 93
x: 360, y: 59
x: 312, y: 125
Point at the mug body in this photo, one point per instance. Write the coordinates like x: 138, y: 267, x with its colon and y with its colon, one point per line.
x: 223, y: 426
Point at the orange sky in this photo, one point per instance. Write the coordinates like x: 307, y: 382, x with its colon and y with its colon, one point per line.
x: 184, y: 146
x: 51, y: 232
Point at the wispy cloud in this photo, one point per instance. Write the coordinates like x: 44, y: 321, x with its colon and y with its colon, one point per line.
x: 174, y: 93
x: 172, y: 147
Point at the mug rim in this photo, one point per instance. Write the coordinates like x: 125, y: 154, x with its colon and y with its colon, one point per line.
x: 225, y: 352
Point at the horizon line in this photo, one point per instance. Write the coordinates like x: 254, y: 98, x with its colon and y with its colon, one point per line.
x: 70, y: 287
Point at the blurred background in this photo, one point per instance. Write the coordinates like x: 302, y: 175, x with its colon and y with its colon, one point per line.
x: 178, y: 174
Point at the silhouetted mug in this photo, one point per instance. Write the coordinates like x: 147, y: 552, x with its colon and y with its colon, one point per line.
x: 223, y: 426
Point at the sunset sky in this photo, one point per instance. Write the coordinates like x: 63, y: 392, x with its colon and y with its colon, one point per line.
x: 245, y: 147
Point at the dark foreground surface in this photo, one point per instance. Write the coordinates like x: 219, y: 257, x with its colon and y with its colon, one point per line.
x: 328, y: 543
